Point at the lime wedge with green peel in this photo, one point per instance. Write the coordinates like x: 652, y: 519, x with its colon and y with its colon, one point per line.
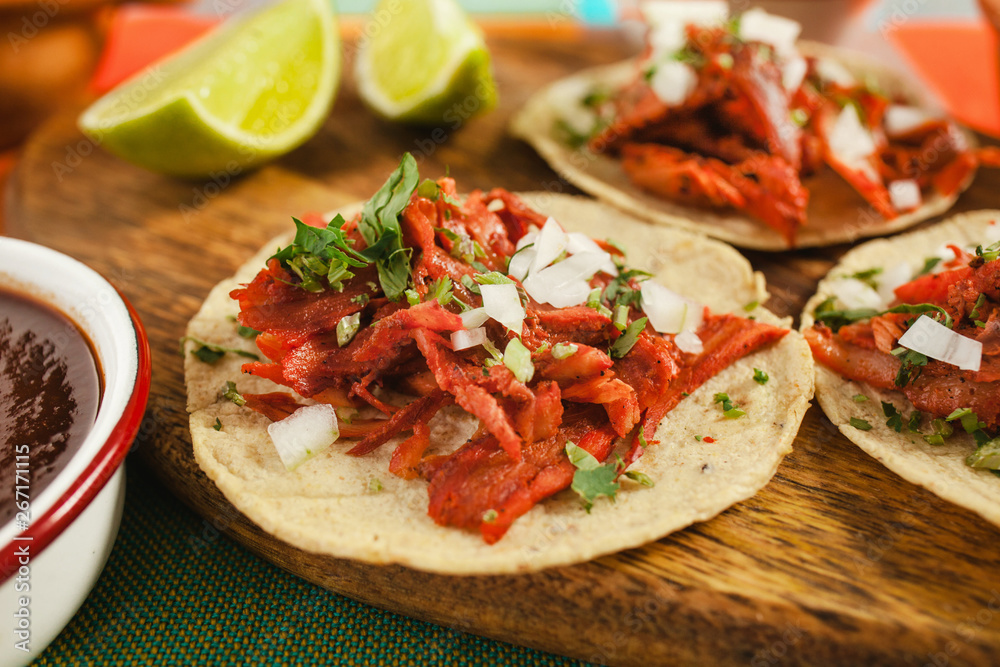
x: 425, y: 62
x: 250, y: 91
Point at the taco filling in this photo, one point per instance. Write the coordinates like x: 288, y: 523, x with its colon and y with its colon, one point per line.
x: 934, y: 337
x: 568, y: 358
x: 725, y: 112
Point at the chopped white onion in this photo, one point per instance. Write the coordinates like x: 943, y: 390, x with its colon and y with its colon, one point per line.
x: 992, y: 234
x: 891, y: 278
x: 496, y: 205
x: 658, y: 13
x: 759, y: 26
x: 529, y: 237
x: 466, y: 338
x: 673, y: 82
x: 551, y: 243
x: 545, y: 286
x: 503, y: 304
x: 668, y: 312
x: 833, y: 72
x: 900, y: 119
x: 521, y: 263
x: 853, y: 294
x: 793, y: 72
x: 688, y: 341
x: 905, y: 194
x: 937, y: 341
x: 304, y: 433
x: 850, y: 141
x: 665, y: 40
x: 582, y: 243
x: 475, y: 318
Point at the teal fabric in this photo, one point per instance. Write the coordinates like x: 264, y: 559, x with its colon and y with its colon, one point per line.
x: 176, y: 592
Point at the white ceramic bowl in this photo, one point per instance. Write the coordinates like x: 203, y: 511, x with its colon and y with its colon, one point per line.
x: 74, y: 520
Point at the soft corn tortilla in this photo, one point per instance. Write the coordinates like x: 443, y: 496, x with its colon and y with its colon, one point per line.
x: 941, y: 468
x: 836, y: 213
x: 327, y: 506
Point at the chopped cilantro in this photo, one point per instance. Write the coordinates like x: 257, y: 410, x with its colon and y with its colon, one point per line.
x: 320, y: 253
x: 698, y: 438
x: 594, y: 301
x: 941, y: 430
x: 929, y: 265
x: 760, y: 377
x: 752, y: 306
x: 591, y: 479
x: 379, y: 226
x: 729, y: 409
x: 218, y: 424
x: 623, y: 344
x: 860, y: 398
x: 979, y: 304
x: 867, y: 276
x: 247, y: 332
x: 910, y: 367
x: 210, y: 352
x: 374, y: 485
x: 860, y: 424
x: 564, y: 350
x: 640, y: 477
x: 968, y: 418
x: 517, y: 358
x: 987, y: 455
x: 229, y: 392
x: 895, y: 420
x: 913, y: 423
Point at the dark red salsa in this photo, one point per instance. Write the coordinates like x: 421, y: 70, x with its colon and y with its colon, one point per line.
x: 50, y: 389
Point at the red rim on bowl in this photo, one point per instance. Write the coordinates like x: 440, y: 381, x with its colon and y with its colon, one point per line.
x: 103, y: 463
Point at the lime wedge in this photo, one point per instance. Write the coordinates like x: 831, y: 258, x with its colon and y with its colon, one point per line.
x: 251, y: 90
x: 424, y: 62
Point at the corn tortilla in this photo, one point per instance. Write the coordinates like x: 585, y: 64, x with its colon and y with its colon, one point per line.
x: 329, y: 505
x: 939, y: 468
x: 836, y: 212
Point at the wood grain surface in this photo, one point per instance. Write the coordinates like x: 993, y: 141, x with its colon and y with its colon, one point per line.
x: 837, y: 561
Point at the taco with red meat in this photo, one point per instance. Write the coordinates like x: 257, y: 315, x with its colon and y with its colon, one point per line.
x: 728, y: 126
x: 483, y: 384
x: 906, y: 337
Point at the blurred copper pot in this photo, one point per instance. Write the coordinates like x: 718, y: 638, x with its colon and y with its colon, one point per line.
x: 48, y: 51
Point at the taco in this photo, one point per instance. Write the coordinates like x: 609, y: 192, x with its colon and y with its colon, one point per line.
x: 728, y: 127
x: 906, y: 336
x: 487, y: 408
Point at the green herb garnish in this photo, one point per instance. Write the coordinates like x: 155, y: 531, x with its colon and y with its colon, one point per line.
x: 623, y: 344
x: 895, y: 420
x: 229, y: 392
x: 218, y: 424
x: 760, y: 377
x: 591, y: 479
x: 210, y: 352
x: 379, y: 226
x: 729, y: 409
x: 860, y: 424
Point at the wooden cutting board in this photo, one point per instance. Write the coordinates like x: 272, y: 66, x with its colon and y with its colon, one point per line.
x: 837, y: 561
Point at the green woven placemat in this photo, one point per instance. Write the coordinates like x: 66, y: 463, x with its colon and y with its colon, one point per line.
x: 174, y: 594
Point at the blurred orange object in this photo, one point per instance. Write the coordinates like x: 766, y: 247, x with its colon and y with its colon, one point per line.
x: 959, y: 63
x: 140, y: 35
x: 49, y: 50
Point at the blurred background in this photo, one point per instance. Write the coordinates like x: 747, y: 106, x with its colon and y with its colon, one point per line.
x: 56, y: 53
